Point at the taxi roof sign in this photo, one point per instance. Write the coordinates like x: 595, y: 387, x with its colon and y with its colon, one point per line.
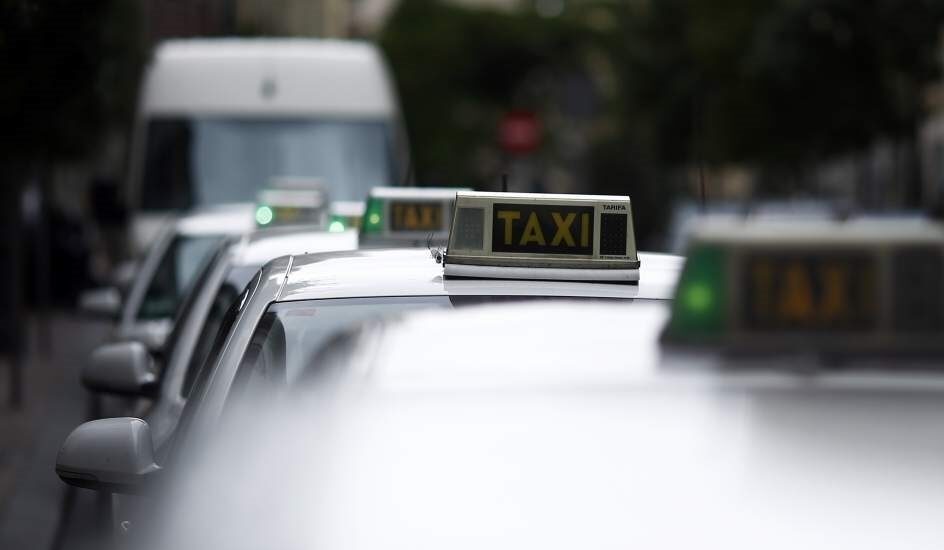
x: 861, y: 286
x: 345, y: 215
x: 292, y: 206
x: 542, y: 236
x: 407, y: 216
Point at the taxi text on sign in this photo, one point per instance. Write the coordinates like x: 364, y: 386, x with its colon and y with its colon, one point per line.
x: 416, y: 216
x: 815, y: 292
x: 545, y: 229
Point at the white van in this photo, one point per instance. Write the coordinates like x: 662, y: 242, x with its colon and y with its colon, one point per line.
x: 219, y: 118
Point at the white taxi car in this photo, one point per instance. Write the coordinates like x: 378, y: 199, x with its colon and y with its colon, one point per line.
x: 167, y: 272
x: 162, y: 381
x: 790, y: 396
x: 297, y: 303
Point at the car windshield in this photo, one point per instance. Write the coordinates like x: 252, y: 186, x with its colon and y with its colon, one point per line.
x: 290, y: 334
x: 175, y: 273
x: 214, y: 160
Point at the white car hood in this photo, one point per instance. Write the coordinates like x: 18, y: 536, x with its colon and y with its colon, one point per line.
x: 682, y: 464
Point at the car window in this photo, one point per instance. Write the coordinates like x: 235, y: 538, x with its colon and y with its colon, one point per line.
x: 201, y: 379
x: 267, y: 373
x: 222, y: 303
x: 291, y: 333
x: 203, y: 371
x: 186, y: 307
x: 216, y: 160
x: 175, y: 274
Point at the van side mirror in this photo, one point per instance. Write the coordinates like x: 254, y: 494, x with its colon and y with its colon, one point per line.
x: 104, y: 303
x: 113, y: 454
x: 123, y: 368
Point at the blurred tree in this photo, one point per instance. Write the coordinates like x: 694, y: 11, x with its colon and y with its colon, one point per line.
x: 458, y: 69
x: 69, y: 71
x: 777, y: 83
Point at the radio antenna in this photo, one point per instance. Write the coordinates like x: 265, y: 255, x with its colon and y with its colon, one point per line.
x: 436, y: 253
x: 699, y: 154
x: 702, y: 186
x: 504, y: 182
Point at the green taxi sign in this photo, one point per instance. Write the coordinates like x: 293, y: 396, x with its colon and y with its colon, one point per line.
x: 407, y: 216
x: 290, y: 207
x: 345, y: 215
x: 857, y: 286
x: 542, y: 236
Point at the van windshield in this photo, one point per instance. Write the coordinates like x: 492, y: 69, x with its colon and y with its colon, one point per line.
x: 203, y: 161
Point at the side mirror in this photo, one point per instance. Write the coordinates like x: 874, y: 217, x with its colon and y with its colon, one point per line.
x: 112, y: 454
x: 101, y: 302
x: 153, y: 334
x: 123, y: 368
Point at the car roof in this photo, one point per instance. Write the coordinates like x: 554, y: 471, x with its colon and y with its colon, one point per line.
x: 557, y: 424
x: 593, y: 342
x: 261, y: 246
x: 581, y: 342
x: 228, y: 219
x: 414, y: 272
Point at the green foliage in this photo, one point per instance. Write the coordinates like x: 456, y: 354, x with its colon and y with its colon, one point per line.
x: 70, y: 69
x: 777, y: 85
x: 459, y: 69
x: 778, y: 81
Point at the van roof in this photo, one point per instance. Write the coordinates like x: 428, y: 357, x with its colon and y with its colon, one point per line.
x: 267, y: 77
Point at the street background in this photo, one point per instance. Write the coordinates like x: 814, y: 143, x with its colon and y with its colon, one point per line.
x: 33, y: 502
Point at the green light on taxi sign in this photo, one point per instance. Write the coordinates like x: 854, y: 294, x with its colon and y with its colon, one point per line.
x: 699, y: 298
x: 336, y: 226
x: 698, y: 308
x: 407, y: 216
x: 264, y: 215
x: 373, y: 216
x: 812, y: 287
